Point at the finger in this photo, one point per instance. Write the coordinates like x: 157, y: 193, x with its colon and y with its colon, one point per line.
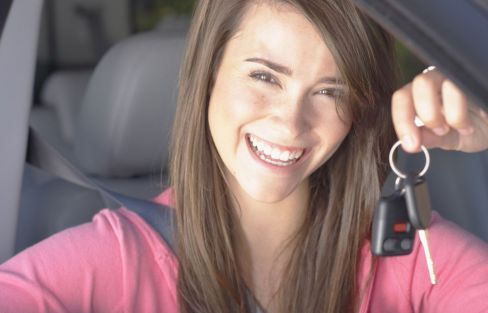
x: 429, y: 139
x: 403, y: 113
x: 426, y: 90
x: 456, y: 108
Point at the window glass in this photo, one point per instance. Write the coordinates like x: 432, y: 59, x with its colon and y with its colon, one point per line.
x: 410, y: 65
x: 146, y: 14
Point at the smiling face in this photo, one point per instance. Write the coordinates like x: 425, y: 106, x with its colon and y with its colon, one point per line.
x: 272, y: 111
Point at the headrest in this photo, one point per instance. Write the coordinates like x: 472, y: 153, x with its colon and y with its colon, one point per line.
x: 128, y: 109
x: 63, y: 91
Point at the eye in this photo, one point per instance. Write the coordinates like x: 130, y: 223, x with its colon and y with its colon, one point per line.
x: 264, y: 77
x: 330, y: 92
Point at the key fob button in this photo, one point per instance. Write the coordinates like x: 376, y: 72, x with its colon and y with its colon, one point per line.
x: 406, y: 244
x: 390, y: 244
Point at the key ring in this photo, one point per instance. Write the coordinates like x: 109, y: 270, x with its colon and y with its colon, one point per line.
x: 403, y: 175
x: 428, y: 69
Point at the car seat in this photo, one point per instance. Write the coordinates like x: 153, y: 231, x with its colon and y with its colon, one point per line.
x: 55, y: 117
x: 120, y: 137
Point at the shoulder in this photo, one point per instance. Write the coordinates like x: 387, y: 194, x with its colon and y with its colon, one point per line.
x: 112, y: 262
x: 131, y: 231
x: 110, y: 231
x: 461, y: 264
x: 149, y: 260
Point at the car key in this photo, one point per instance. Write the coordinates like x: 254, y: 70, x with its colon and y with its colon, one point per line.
x: 392, y: 233
x: 424, y: 240
x: 420, y: 213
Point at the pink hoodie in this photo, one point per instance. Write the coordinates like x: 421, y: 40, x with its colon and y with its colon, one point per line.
x: 118, y: 263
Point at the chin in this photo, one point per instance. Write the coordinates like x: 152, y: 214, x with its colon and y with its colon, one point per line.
x: 265, y: 193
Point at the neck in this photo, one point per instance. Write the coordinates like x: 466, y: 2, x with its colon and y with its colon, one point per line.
x: 271, y: 223
x: 263, y: 232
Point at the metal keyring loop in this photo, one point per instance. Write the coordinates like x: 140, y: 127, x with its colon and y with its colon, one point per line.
x: 428, y: 69
x: 403, y: 175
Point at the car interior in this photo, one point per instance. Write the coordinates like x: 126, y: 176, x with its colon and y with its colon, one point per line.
x: 105, y: 96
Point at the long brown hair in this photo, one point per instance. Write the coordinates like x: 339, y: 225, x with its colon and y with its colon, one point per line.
x: 321, y: 273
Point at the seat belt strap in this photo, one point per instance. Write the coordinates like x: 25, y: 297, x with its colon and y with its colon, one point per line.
x: 44, y: 156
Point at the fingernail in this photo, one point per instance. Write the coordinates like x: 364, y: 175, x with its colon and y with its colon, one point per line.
x: 441, y: 131
x: 408, y: 142
x: 466, y: 131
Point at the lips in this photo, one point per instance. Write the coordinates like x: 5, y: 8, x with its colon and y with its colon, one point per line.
x: 274, y: 154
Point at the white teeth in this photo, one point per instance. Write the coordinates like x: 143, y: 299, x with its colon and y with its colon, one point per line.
x: 285, y: 156
x: 273, y: 154
x: 267, y: 149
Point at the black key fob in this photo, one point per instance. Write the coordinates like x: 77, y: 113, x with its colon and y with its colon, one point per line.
x: 392, y: 233
x: 417, y: 200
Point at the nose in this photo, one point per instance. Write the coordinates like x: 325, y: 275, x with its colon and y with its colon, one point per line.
x: 291, y: 115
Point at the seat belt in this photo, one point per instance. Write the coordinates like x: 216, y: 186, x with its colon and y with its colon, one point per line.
x: 159, y: 217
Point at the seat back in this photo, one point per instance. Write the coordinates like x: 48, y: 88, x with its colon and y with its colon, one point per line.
x: 121, y: 136
x: 126, y: 115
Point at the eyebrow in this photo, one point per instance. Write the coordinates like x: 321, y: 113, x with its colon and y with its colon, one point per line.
x: 288, y: 72
x: 274, y: 66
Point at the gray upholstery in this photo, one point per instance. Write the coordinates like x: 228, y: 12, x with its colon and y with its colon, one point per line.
x: 50, y: 204
x: 127, y: 112
x: 120, y: 136
x: 64, y: 91
x: 46, y: 121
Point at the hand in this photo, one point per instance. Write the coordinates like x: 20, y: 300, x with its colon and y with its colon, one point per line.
x: 451, y: 122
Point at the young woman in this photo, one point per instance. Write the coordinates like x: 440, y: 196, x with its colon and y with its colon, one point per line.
x: 279, y: 151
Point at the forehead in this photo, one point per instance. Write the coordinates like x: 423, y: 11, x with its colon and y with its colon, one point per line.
x: 282, y: 33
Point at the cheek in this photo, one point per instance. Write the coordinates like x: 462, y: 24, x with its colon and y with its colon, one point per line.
x: 233, y: 105
x: 242, y: 104
x: 336, y: 130
x: 332, y: 129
